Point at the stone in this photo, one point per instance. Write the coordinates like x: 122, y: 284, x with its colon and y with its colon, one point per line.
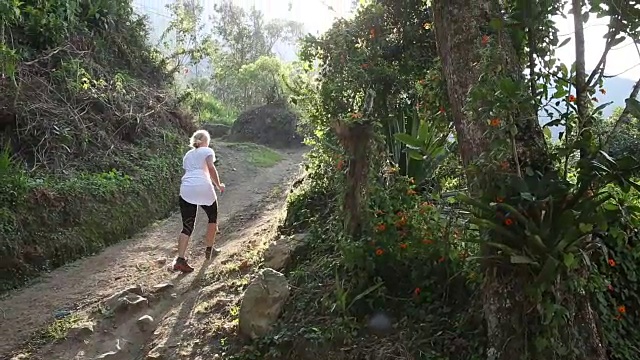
x: 280, y: 253
x: 81, y: 331
x: 112, y: 301
x: 111, y: 355
x: 162, y: 288
x: 161, y: 261
x: 145, y: 323
x: 131, y: 302
x: 277, y: 256
x: 262, y: 303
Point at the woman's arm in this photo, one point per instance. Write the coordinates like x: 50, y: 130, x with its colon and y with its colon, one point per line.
x: 213, y: 172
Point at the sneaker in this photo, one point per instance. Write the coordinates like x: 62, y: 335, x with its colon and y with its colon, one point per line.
x: 210, y: 252
x: 180, y: 264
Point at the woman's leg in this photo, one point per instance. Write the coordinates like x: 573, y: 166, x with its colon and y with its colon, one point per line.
x: 212, y: 229
x: 188, y: 213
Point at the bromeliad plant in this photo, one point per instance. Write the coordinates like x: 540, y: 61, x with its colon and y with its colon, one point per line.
x: 547, y: 222
x: 549, y: 227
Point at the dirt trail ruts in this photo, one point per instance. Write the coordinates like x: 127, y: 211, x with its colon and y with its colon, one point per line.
x: 80, y: 285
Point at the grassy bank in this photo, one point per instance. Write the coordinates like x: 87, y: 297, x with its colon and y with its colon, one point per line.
x: 257, y: 155
x: 47, y: 221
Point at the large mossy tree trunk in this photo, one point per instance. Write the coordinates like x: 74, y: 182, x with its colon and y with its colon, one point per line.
x: 510, y: 313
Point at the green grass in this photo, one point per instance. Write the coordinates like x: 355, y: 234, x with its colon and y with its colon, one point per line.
x: 258, y: 155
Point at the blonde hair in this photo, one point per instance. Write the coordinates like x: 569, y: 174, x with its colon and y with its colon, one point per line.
x: 199, y: 138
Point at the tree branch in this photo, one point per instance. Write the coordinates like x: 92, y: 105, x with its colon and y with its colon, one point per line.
x: 584, y: 123
x: 624, y: 116
x: 614, y: 30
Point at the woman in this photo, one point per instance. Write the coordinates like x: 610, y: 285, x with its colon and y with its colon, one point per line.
x: 200, y: 174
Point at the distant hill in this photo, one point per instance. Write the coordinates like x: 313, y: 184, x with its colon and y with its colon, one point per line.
x: 618, y: 90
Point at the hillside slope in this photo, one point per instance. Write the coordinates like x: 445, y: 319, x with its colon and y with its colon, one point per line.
x: 86, y: 126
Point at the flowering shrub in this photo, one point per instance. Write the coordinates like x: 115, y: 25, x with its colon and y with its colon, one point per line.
x: 616, y: 282
x: 411, y: 244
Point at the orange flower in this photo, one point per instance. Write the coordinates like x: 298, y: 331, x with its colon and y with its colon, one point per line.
x: 611, y: 262
x: 356, y: 115
x: 622, y: 309
x: 508, y: 222
x: 379, y: 252
x: 340, y: 165
x: 500, y: 199
x: 381, y: 227
x: 411, y: 192
x: 427, y: 242
x: 495, y: 122
x: 401, y: 222
x: 416, y: 292
x: 372, y: 33
x: 603, y: 91
x: 441, y: 260
x: 403, y: 246
x: 572, y: 98
x: 485, y: 39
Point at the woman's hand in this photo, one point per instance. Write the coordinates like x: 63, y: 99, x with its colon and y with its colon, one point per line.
x: 221, y: 187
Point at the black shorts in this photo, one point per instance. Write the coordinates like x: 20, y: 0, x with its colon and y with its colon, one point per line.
x: 188, y: 213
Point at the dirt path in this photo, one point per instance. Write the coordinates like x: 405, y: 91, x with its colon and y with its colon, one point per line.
x: 78, y: 288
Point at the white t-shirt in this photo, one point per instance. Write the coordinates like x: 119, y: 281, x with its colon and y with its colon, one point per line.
x: 196, y: 187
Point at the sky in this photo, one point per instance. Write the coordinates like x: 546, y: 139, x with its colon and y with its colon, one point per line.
x: 624, y: 59
x: 317, y: 17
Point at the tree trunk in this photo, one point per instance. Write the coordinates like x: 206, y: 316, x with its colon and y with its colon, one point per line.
x: 356, y: 140
x: 509, y: 312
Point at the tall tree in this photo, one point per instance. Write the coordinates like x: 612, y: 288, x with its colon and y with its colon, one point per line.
x: 481, y: 63
x: 244, y: 37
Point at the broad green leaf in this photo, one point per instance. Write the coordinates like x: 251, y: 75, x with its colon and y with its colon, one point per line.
x: 508, y: 250
x: 569, y: 260
x: 408, y: 139
x: 414, y: 154
x: 548, y: 272
x: 634, y: 107
x: 564, y: 42
x: 520, y: 259
x: 486, y: 224
x: 585, y: 228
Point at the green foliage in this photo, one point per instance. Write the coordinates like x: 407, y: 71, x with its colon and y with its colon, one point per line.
x: 87, y: 128
x: 615, y: 284
x: 246, y: 72
x: 258, y: 155
x: 540, y: 225
x: 206, y: 108
x: 46, y: 222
